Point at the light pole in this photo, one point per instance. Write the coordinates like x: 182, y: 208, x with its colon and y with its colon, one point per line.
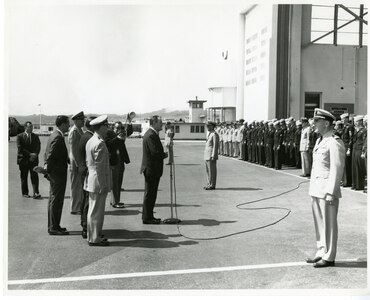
x: 40, y: 117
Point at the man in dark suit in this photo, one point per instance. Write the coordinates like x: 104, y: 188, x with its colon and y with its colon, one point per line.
x: 56, y: 161
x: 28, y: 145
x: 115, y: 141
x: 83, y: 168
x: 152, y: 168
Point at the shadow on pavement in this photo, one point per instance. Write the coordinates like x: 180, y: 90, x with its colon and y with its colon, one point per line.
x: 164, y: 205
x: 204, y: 222
x: 150, y: 244
x: 134, y: 190
x: 140, y: 234
x: 351, y: 264
x: 122, y: 212
x: 239, y: 189
x: 187, y: 164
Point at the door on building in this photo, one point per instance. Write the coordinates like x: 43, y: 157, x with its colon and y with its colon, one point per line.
x: 311, y: 101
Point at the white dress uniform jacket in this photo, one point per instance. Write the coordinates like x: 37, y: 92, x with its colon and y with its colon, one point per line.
x: 305, y: 139
x: 211, y: 149
x: 97, y: 161
x: 327, y: 167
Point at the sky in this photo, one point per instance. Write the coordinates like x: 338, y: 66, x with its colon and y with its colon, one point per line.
x: 115, y: 58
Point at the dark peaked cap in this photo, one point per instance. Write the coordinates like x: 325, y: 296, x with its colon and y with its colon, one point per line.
x: 78, y: 116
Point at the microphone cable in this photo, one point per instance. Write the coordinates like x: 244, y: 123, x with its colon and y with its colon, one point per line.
x: 288, y: 211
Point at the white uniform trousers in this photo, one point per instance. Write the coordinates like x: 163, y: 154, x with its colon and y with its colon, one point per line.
x: 326, y: 227
x: 306, y: 161
x: 211, y: 168
x: 76, y: 189
x: 95, y: 216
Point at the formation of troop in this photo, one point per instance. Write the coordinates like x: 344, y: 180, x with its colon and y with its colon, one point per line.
x: 290, y: 142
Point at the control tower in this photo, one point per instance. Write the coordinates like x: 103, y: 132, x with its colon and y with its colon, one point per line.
x: 197, y: 114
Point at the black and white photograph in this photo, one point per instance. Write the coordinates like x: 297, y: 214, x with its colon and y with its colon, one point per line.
x: 185, y: 148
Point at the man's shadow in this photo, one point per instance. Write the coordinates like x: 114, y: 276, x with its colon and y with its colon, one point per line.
x: 205, y: 222
x: 122, y: 212
x: 143, y: 239
x: 165, y: 205
x: 351, y: 264
x: 238, y: 189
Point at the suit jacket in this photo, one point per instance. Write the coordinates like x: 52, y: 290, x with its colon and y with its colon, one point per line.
x: 74, y: 137
x: 153, y: 155
x: 117, y: 146
x: 211, y: 149
x: 56, y: 153
x: 99, y: 176
x: 327, y: 166
x: 25, y: 148
x: 305, y: 139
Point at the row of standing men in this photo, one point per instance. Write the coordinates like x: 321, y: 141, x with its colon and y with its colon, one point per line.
x: 80, y: 160
x: 288, y: 142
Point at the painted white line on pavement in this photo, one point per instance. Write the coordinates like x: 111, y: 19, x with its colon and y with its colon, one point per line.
x: 164, y: 273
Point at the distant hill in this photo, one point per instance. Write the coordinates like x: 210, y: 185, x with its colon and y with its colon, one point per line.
x: 176, y: 115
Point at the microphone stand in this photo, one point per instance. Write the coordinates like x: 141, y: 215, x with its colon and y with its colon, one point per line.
x: 171, y: 220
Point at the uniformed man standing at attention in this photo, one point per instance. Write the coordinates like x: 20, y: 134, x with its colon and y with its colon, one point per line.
x: 74, y: 137
x: 326, y: 174
x: 98, y: 181
x: 347, y: 137
x: 211, y: 156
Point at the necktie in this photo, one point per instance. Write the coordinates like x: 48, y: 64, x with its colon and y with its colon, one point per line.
x: 29, y: 139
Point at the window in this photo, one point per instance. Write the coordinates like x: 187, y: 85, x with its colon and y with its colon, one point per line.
x: 202, y: 129
x: 177, y: 129
x: 50, y: 128
x: 192, y: 128
x: 312, y: 101
x: 197, y: 129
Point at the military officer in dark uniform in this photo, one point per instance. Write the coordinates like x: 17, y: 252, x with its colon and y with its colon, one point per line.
x: 296, y: 144
x: 358, y: 163
x: 347, y: 137
x: 278, y: 142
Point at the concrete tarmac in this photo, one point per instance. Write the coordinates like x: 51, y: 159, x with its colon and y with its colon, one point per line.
x: 194, y: 254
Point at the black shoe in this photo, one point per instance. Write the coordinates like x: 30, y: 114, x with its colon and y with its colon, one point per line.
x: 209, y: 188
x: 157, y: 219
x: 122, y: 189
x: 101, y: 243
x: 62, y: 229
x: 84, y: 234
x: 58, y: 232
x: 153, y: 221
x: 313, y: 260
x: 36, y: 196
x: 26, y: 196
x: 323, y: 264
x: 118, y: 205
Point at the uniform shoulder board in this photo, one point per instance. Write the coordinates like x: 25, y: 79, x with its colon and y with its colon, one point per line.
x: 335, y: 136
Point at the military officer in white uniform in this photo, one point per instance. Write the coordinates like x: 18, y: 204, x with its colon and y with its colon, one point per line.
x: 98, y: 182
x: 211, y: 156
x: 327, y: 171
